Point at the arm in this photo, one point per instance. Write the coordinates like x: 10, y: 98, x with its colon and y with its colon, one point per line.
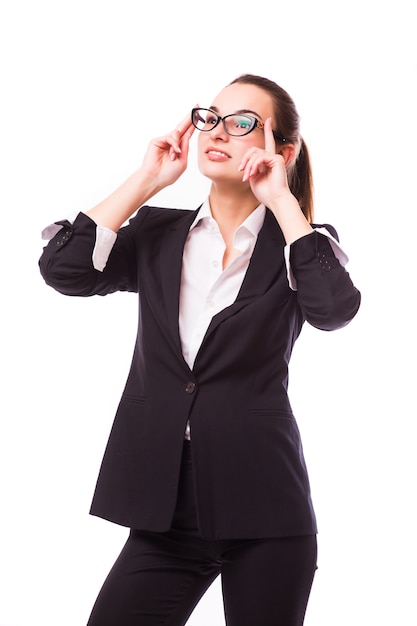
x: 164, y: 162
x: 325, y: 293
x: 68, y: 264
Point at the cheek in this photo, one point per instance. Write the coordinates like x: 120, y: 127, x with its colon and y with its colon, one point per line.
x: 255, y: 139
x: 246, y: 144
x: 200, y: 148
x: 202, y: 143
x: 258, y: 140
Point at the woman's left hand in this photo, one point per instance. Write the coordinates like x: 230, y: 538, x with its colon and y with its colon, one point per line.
x: 267, y: 175
x: 266, y: 170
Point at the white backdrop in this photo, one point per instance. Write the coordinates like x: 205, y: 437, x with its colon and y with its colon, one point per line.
x: 85, y: 86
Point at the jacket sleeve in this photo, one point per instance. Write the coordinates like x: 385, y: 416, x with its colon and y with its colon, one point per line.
x: 66, y: 263
x: 326, y: 295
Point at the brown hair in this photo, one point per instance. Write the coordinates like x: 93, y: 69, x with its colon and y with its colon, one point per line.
x: 287, y: 124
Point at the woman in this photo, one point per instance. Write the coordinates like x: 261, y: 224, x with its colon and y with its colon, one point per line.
x: 204, y: 462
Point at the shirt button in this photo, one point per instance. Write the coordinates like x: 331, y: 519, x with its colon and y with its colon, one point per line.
x: 215, y: 263
x: 190, y: 387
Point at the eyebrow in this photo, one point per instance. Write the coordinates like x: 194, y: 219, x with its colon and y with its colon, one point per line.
x: 239, y: 112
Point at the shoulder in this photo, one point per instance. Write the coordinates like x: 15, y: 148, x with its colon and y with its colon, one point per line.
x: 163, y: 217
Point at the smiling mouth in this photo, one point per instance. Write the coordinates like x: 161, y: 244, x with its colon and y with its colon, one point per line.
x: 218, y: 153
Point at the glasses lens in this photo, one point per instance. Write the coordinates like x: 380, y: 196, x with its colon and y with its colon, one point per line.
x: 239, y: 125
x: 235, y: 124
x: 203, y: 119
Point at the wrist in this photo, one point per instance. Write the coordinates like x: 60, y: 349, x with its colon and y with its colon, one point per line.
x: 290, y: 217
x: 146, y: 185
x: 115, y: 210
x: 284, y: 202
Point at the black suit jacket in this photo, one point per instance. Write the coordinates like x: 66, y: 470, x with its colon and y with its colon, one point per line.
x: 250, y: 475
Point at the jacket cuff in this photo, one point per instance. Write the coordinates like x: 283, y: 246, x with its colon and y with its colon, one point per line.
x: 105, y: 238
x: 321, y: 245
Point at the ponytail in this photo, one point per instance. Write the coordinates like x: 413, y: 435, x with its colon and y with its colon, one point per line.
x: 300, y: 179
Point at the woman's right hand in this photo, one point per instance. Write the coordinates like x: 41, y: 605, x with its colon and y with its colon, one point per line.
x: 166, y: 157
x: 164, y: 161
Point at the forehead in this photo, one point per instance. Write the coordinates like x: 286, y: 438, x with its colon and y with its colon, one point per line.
x: 242, y: 97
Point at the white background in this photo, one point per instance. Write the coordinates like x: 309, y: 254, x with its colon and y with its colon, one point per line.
x: 84, y: 86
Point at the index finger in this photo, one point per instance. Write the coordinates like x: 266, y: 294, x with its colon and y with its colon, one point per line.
x: 184, y: 125
x: 269, y: 136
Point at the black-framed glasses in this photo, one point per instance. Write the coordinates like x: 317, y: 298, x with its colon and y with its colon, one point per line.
x: 235, y: 124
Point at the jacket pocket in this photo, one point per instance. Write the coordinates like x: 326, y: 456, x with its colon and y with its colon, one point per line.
x: 278, y: 413
x: 131, y: 399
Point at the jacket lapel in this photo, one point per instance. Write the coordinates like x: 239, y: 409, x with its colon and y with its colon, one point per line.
x: 266, y: 264
x: 267, y: 259
x: 171, y: 252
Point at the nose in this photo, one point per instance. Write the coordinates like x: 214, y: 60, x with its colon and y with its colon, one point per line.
x: 219, y: 132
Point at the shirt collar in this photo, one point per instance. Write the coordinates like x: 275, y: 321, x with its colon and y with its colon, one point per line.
x: 253, y: 223
x: 203, y: 212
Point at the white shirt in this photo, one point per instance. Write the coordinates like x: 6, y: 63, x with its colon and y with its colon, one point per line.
x: 206, y: 288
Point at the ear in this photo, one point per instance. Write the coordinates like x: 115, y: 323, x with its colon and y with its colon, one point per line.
x: 288, y: 151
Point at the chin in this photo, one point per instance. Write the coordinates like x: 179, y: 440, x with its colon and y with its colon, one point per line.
x: 216, y: 171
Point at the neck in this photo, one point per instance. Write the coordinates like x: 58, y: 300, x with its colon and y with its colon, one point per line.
x: 230, y: 209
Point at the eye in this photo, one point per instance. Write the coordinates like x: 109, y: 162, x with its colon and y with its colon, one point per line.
x: 211, y: 118
x: 242, y: 122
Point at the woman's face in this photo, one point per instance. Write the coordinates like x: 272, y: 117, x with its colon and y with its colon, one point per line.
x: 220, y: 154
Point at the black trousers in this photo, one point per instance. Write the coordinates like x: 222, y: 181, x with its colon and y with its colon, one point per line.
x: 159, y: 577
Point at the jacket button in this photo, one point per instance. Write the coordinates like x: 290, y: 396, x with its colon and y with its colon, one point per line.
x: 190, y: 387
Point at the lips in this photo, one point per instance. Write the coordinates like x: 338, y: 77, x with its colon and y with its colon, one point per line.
x: 214, y: 154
